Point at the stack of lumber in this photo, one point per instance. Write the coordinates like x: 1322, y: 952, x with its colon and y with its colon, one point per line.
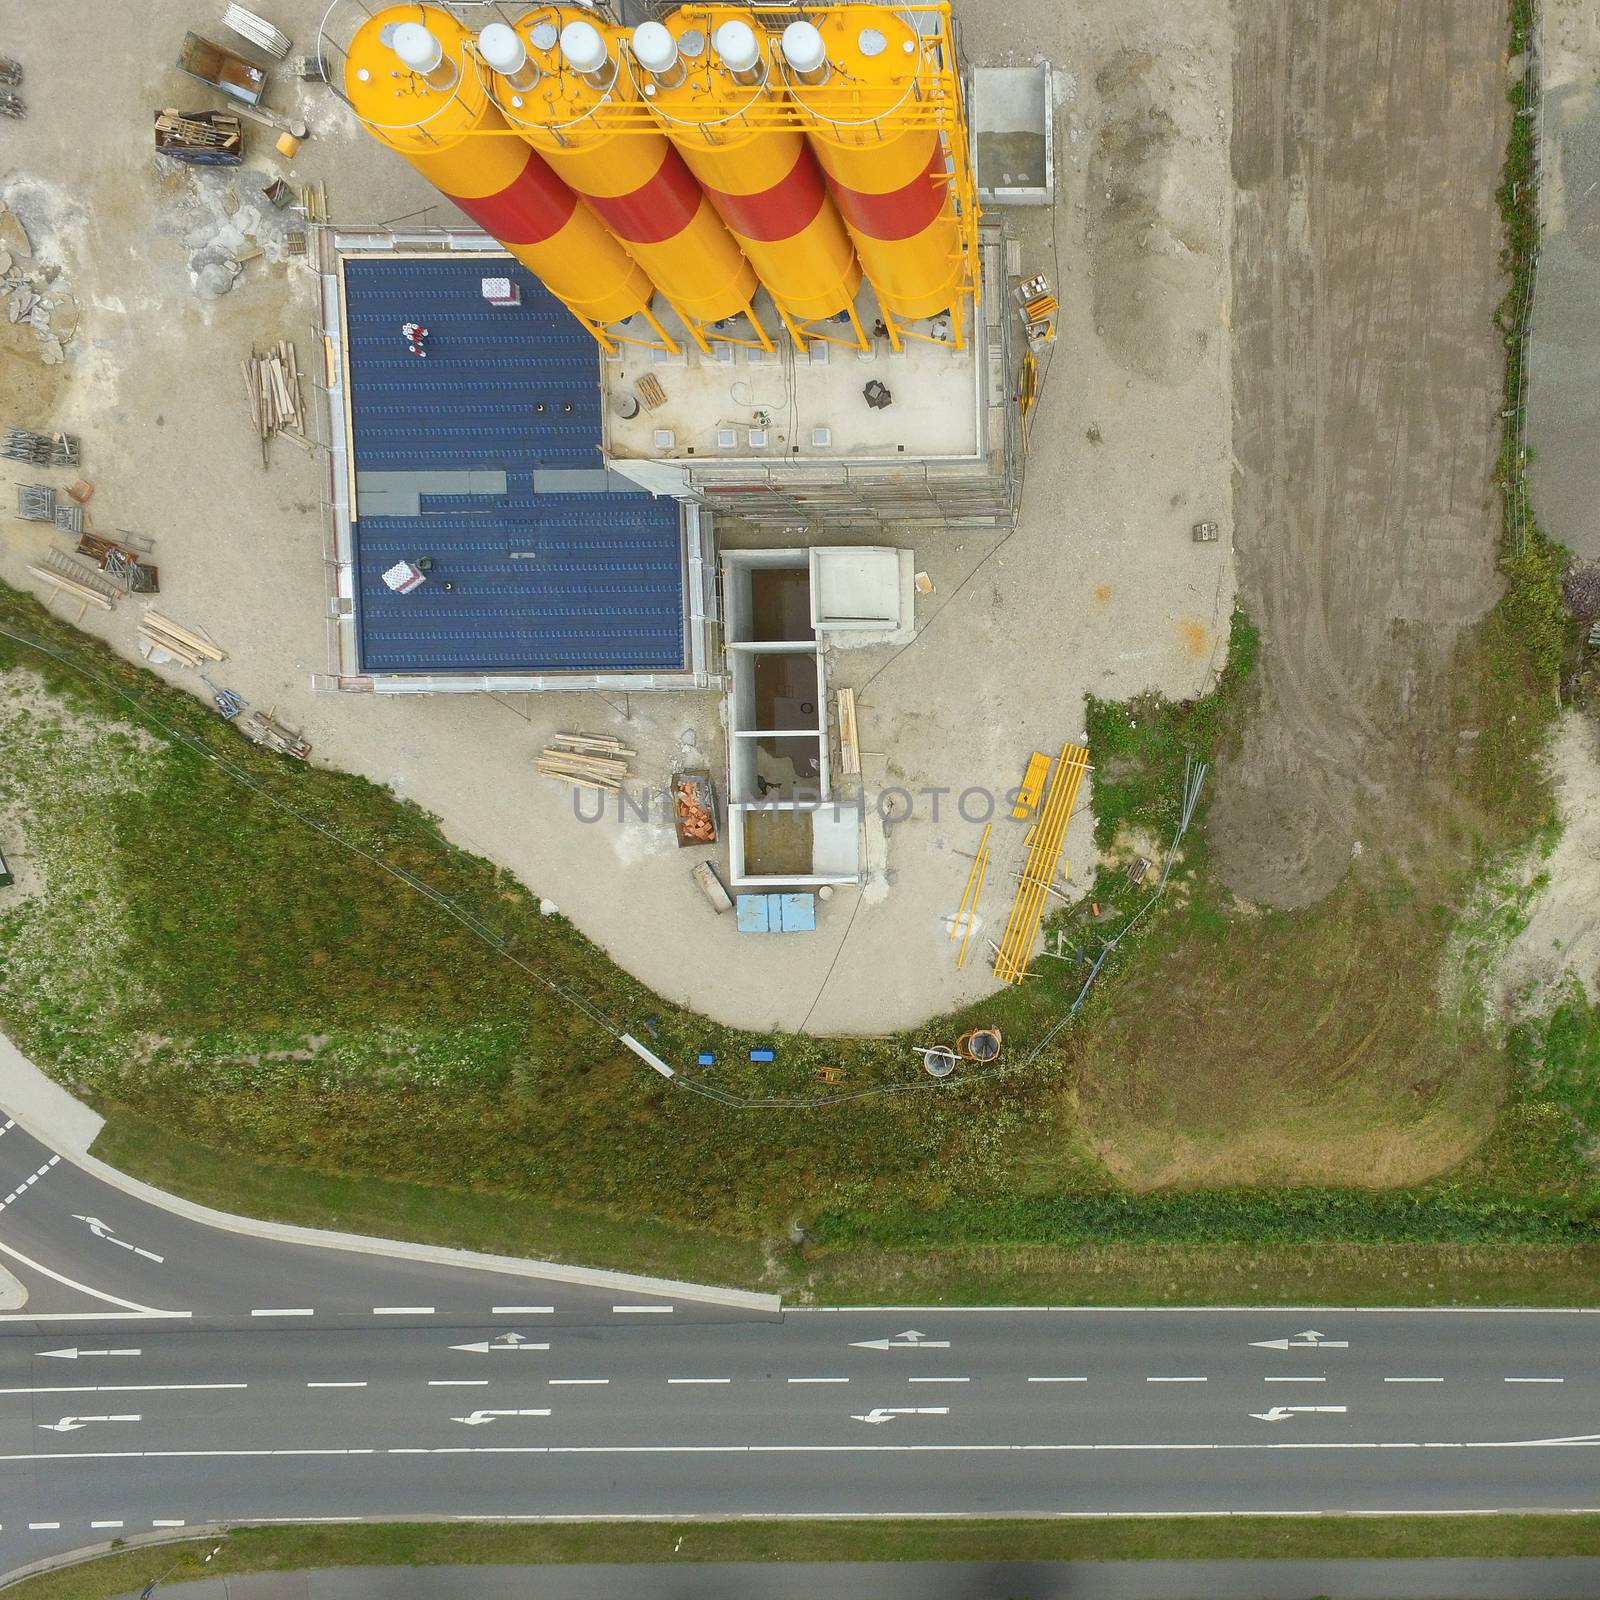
x: 586, y: 761
x: 262, y: 728
x: 158, y: 634
x: 272, y: 383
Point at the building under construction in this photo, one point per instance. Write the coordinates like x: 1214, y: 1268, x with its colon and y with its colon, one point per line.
x: 762, y: 227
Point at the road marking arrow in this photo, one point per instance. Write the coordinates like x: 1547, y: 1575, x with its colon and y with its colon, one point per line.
x: 479, y: 1417
x: 72, y: 1354
x: 887, y: 1413
x: 70, y: 1424
x: 104, y: 1230
x: 507, y: 1341
x: 1283, y: 1413
x: 909, y: 1340
x: 1309, y: 1340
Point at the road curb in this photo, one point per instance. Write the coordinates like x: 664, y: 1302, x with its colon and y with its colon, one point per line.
x: 401, y: 1249
x: 111, y: 1547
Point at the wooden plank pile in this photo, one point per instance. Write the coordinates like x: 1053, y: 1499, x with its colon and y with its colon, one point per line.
x: 272, y: 384
x: 262, y: 728
x: 586, y: 761
x: 160, y: 635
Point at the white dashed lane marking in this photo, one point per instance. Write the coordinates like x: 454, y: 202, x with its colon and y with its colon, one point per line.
x: 28, y: 1182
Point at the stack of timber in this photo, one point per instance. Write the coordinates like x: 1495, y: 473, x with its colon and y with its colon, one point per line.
x: 262, y: 728
x: 586, y: 761
x: 272, y: 384
x: 160, y: 635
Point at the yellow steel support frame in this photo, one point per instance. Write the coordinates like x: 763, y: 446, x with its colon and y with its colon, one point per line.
x: 1045, y: 840
x: 967, y: 912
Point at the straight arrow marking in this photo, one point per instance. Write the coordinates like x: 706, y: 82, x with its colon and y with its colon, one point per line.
x: 71, y: 1354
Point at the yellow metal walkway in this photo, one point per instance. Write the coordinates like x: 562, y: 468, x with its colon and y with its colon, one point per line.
x: 1045, y: 841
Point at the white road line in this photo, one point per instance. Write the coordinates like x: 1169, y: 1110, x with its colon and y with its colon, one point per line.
x: 1294, y: 1380
x: 82, y: 1288
x: 1536, y: 1380
x: 1413, y: 1380
x: 338, y: 1383
x: 816, y: 1380
x: 575, y: 1382
x: 1058, y: 1380
x: 123, y: 1388
x: 699, y: 1380
x: 106, y: 1524
x: 623, y: 1311
x: 402, y: 1311
x: 7, y: 1125
x: 28, y: 1183
x: 938, y: 1380
x: 167, y: 1522
x: 1174, y: 1380
x: 41, y: 1527
x: 284, y: 1311
x: 458, y: 1383
x: 522, y: 1311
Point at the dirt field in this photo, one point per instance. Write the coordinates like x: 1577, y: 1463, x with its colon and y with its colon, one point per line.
x: 1367, y: 142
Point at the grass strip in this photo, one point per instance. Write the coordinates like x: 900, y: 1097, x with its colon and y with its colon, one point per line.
x: 411, y: 1544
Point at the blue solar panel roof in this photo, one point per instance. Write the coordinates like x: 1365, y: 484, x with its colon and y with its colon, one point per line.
x: 568, y: 582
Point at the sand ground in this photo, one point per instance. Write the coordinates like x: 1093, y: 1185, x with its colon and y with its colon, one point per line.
x: 1100, y: 588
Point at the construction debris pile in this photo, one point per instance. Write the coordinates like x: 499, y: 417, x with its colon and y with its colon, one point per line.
x: 586, y: 761
x: 30, y: 294
x: 203, y: 138
x: 272, y: 383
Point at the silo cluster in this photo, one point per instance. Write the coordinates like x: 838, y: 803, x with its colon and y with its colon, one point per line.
x: 692, y: 162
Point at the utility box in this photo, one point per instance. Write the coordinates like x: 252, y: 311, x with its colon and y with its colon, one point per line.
x: 1013, y: 120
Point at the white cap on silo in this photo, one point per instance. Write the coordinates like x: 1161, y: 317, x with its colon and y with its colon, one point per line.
x: 872, y: 42
x: 417, y: 47
x: 803, y: 48
x: 501, y: 49
x: 653, y: 47
x: 735, y: 43
x: 583, y: 47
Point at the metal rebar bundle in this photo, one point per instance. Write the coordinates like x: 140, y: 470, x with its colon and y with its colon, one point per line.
x: 40, y: 449
x: 10, y: 73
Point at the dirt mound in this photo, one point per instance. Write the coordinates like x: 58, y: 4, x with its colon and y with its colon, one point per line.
x: 1149, y: 236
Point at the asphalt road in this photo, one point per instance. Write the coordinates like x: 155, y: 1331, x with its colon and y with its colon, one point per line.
x: 171, y: 1374
x: 949, y: 1580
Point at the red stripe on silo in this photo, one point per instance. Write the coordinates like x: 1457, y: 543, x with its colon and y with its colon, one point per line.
x: 900, y: 213
x: 529, y: 210
x: 780, y: 212
x: 658, y: 209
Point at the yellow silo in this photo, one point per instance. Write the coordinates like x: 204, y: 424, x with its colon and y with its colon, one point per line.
x: 572, y: 101
x: 707, y: 76
x: 410, y: 77
x: 862, y: 82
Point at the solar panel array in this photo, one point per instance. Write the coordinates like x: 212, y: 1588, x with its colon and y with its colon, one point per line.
x: 520, y: 582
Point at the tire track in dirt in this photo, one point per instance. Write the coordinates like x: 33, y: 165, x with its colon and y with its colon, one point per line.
x: 1367, y: 143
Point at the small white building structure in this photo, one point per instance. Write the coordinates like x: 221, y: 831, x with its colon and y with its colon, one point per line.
x: 788, y: 823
